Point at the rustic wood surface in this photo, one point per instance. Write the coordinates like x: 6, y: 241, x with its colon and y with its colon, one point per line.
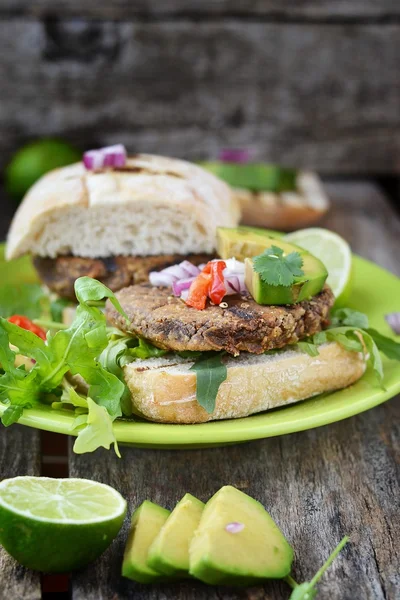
x: 284, y: 9
x: 318, y: 485
x: 320, y: 95
x: 19, y: 455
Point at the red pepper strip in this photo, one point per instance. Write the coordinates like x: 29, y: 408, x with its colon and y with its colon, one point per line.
x: 27, y: 324
x: 218, y: 289
x: 198, y: 291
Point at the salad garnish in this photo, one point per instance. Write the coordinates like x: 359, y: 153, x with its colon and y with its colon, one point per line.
x: 276, y: 269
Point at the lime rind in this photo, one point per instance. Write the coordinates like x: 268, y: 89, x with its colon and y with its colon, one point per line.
x: 333, y: 251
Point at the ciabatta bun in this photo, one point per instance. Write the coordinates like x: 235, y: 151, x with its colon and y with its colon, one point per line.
x: 153, y: 205
x: 164, y: 389
x: 286, y: 210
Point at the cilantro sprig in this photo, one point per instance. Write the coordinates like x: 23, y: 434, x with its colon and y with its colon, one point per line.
x: 277, y: 269
x: 307, y: 590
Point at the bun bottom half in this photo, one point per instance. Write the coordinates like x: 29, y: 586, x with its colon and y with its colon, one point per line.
x: 164, y: 389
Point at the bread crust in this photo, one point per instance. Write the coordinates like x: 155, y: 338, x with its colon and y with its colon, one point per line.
x: 164, y: 390
x: 147, y: 183
x: 285, y: 211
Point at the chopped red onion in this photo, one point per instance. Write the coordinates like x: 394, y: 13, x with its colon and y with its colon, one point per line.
x: 110, y: 156
x: 234, y: 527
x: 235, y: 155
x: 161, y: 279
x: 393, y: 319
x: 183, y: 284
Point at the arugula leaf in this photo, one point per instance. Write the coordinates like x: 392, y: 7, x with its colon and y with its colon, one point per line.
x: 146, y: 350
x: 11, y: 415
x: 276, y: 269
x: 75, y: 349
x: 210, y: 373
x: 389, y: 347
x: 88, y: 289
x: 308, y: 347
x: 98, y: 431
x: 24, y: 299
x: 304, y: 591
x: 350, y: 317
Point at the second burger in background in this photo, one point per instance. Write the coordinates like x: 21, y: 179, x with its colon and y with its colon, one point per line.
x: 117, y: 218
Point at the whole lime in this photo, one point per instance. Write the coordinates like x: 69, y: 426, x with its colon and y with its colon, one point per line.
x: 34, y: 160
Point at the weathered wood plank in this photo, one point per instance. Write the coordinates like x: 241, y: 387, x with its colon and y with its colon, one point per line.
x: 187, y: 89
x: 19, y: 455
x: 285, y: 9
x: 318, y: 484
x: 362, y: 215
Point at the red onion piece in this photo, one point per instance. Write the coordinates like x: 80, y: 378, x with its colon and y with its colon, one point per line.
x: 183, y: 284
x: 110, y: 156
x: 234, y: 527
x: 191, y: 270
x: 235, y: 155
x: 161, y: 279
x: 393, y: 319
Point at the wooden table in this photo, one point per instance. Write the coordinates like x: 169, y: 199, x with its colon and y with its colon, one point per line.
x: 318, y: 485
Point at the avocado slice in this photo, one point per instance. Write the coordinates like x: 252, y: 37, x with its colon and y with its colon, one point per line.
x: 257, y: 177
x: 169, y: 553
x: 258, y: 551
x: 243, y: 242
x: 305, y: 286
x: 147, y: 521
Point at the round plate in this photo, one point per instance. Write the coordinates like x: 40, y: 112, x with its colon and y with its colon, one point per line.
x: 376, y: 293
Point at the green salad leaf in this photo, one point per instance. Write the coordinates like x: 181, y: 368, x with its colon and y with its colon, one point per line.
x: 254, y: 176
x: 210, y: 373
x: 75, y: 350
x: 276, y: 269
x: 97, y: 431
x: 22, y: 299
x: 56, y: 309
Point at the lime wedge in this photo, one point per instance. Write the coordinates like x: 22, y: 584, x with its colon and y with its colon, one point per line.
x: 334, y: 252
x: 57, y: 525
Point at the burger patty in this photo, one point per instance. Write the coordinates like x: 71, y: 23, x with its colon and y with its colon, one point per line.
x: 243, y: 326
x: 116, y: 272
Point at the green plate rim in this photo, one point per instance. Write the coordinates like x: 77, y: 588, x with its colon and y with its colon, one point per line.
x: 262, y: 425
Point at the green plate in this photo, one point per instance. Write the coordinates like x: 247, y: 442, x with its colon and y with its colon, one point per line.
x: 376, y: 293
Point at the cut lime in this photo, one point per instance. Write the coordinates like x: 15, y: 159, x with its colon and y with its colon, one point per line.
x: 34, y: 160
x: 58, y: 525
x: 334, y: 252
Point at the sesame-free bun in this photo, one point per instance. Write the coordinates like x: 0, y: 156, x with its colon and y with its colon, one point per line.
x: 164, y: 389
x: 154, y: 205
x: 287, y: 210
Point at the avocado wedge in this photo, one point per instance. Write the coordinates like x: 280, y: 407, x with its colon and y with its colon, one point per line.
x: 237, y: 542
x: 147, y: 521
x: 243, y: 242
x: 169, y: 553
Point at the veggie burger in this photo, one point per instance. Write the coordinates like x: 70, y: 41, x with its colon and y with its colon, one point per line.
x: 209, y: 320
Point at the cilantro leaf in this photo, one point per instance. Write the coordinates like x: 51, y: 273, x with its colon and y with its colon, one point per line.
x: 276, y: 269
x: 210, y: 373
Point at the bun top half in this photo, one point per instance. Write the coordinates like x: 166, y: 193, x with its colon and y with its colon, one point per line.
x: 154, y: 205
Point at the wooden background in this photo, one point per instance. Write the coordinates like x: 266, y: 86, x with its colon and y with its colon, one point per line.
x: 306, y: 82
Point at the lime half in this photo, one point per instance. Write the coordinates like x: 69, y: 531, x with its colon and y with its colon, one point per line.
x: 334, y: 252
x: 57, y: 525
